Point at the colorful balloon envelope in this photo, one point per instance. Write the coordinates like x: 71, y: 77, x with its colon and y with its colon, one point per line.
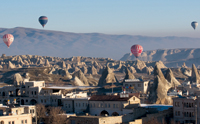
x: 43, y: 20
x: 8, y: 39
x: 194, y: 24
x: 136, y: 50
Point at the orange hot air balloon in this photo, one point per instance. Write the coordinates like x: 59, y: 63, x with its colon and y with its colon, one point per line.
x: 136, y: 50
x: 8, y: 39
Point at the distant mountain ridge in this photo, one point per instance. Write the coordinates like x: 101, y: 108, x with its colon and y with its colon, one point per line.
x: 65, y: 44
x: 170, y: 57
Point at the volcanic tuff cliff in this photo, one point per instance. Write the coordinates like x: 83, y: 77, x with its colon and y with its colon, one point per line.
x: 170, y: 57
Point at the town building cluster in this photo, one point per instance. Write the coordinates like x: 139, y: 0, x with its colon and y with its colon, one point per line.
x: 17, y: 104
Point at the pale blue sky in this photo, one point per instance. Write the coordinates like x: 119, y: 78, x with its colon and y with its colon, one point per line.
x: 135, y: 17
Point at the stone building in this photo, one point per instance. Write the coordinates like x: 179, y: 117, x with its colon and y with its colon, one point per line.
x: 135, y: 85
x: 33, y: 92
x: 13, y: 114
x: 112, y: 104
x: 185, y: 109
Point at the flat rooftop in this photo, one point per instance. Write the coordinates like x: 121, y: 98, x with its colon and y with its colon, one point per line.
x: 69, y: 87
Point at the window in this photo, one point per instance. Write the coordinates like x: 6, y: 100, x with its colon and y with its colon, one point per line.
x: 65, y: 105
x: 41, y: 100
x: 35, y: 93
x: 86, y: 104
x: 32, y: 92
x: 101, y: 105
x: 94, y: 104
x: 9, y: 122
x: 76, y: 104
x: 91, y: 105
x: 83, y: 104
x: 105, y: 105
x: 117, y: 106
x: 139, y: 85
x: 13, y: 122
x: 113, y: 105
x: 31, y: 110
x: 22, y: 122
x: 178, y: 113
x: 192, y: 114
x: 17, y: 112
x: 25, y: 121
x: 45, y: 101
x: 108, y: 105
x: 79, y: 104
x: 69, y: 105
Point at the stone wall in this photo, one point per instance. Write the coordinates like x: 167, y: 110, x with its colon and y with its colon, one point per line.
x: 95, y: 120
x: 162, y: 116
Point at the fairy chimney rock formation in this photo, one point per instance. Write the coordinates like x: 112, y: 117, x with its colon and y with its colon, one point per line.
x: 158, y: 91
x: 79, y: 74
x: 107, y: 77
x: 92, y: 70
x: 139, y: 65
x: 195, y: 75
x: 47, y: 63
x: 128, y: 75
x: 10, y: 65
x: 171, y: 79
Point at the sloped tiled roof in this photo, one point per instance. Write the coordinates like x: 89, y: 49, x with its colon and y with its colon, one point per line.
x: 111, y: 97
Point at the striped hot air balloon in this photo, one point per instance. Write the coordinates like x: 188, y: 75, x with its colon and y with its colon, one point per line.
x: 136, y: 50
x: 194, y: 24
x: 43, y: 20
x: 8, y: 39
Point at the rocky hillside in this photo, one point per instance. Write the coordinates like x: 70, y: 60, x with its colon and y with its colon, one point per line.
x: 170, y: 57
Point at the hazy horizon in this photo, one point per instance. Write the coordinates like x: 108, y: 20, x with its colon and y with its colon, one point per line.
x: 146, y: 18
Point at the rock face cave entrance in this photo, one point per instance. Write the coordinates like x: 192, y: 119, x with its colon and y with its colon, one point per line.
x: 104, y: 113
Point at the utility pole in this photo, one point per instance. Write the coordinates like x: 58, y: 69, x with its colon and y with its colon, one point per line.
x: 196, y: 107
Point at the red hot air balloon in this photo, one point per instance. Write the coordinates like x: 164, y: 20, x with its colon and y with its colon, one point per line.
x: 136, y: 50
x: 8, y: 39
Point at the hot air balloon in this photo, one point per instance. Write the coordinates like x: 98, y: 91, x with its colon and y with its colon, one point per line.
x: 194, y: 24
x: 8, y: 39
x: 43, y: 20
x: 136, y: 50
